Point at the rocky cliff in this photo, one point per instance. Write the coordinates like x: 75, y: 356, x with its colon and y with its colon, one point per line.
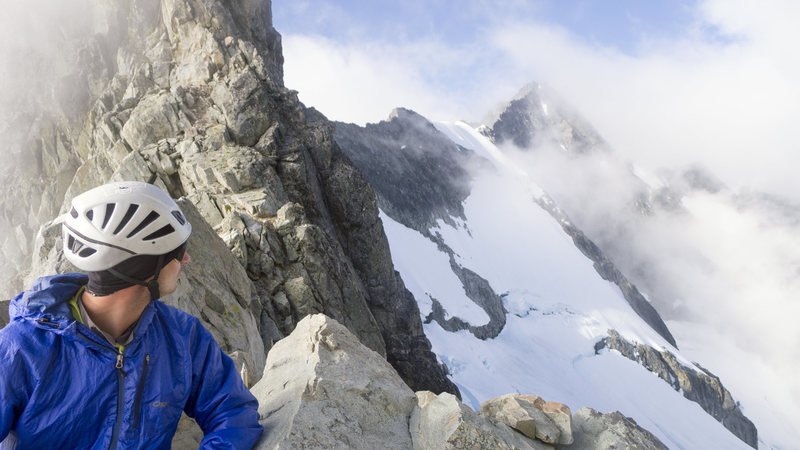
x: 188, y: 95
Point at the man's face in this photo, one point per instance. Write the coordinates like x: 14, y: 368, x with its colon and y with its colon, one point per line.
x: 168, y: 277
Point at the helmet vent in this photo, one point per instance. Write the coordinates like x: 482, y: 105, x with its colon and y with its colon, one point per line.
x: 109, y: 211
x: 161, y: 232
x: 179, y: 216
x: 90, y: 214
x: 73, y: 213
x: 127, y: 218
x: 147, y: 221
x: 71, y: 244
x: 87, y: 252
x: 74, y: 245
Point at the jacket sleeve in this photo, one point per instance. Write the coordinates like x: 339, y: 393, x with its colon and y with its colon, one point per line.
x: 219, y: 402
x: 15, y: 385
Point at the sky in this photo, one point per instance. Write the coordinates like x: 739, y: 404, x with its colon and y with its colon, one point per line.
x: 667, y: 83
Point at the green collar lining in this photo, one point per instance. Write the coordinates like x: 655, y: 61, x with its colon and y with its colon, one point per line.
x: 73, y: 305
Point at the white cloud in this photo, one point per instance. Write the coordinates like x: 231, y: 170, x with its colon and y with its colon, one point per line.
x: 363, y: 83
x: 723, y: 94
x: 728, y: 106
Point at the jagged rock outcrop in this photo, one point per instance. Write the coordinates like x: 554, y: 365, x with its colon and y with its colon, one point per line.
x: 188, y: 95
x: 480, y: 292
x: 594, y: 430
x: 322, y: 388
x: 701, y: 387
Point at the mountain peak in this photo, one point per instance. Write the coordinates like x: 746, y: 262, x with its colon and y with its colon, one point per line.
x: 409, y: 115
x: 537, y: 117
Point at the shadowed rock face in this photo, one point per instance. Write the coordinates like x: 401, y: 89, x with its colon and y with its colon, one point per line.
x: 421, y: 177
x: 703, y: 387
x: 188, y: 95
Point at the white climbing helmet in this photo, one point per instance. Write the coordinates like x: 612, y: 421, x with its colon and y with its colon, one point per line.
x: 116, y: 221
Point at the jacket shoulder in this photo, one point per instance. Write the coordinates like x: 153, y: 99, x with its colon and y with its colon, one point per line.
x: 20, y: 335
x: 23, y: 343
x: 179, y: 321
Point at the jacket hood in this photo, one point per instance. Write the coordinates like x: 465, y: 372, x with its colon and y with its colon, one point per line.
x: 49, y: 296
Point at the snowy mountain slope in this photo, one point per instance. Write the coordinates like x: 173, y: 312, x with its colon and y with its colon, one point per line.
x: 421, y: 176
x: 558, y: 309
x: 721, y: 265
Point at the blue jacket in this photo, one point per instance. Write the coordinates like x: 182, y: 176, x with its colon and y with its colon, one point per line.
x: 60, y: 386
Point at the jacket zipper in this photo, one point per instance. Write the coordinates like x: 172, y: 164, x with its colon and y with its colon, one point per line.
x: 120, y: 404
x: 44, y: 321
x: 137, y: 404
x: 120, y: 388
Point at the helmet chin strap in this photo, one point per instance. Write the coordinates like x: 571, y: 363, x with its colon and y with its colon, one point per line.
x: 151, y: 285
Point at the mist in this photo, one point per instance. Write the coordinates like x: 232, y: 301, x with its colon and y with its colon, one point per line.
x: 720, y: 265
x: 46, y: 59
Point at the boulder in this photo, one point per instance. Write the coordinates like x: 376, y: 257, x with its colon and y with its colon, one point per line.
x: 154, y: 118
x: 442, y: 421
x: 322, y: 388
x: 521, y: 414
x: 561, y: 416
x: 595, y: 431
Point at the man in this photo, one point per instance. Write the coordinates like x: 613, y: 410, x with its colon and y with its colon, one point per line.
x: 96, y: 361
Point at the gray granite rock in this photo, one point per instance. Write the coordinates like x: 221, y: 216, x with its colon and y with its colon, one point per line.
x: 596, y: 431
x: 444, y: 422
x: 322, y: 388
x: 155, y: 117
x: 526, y: 414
